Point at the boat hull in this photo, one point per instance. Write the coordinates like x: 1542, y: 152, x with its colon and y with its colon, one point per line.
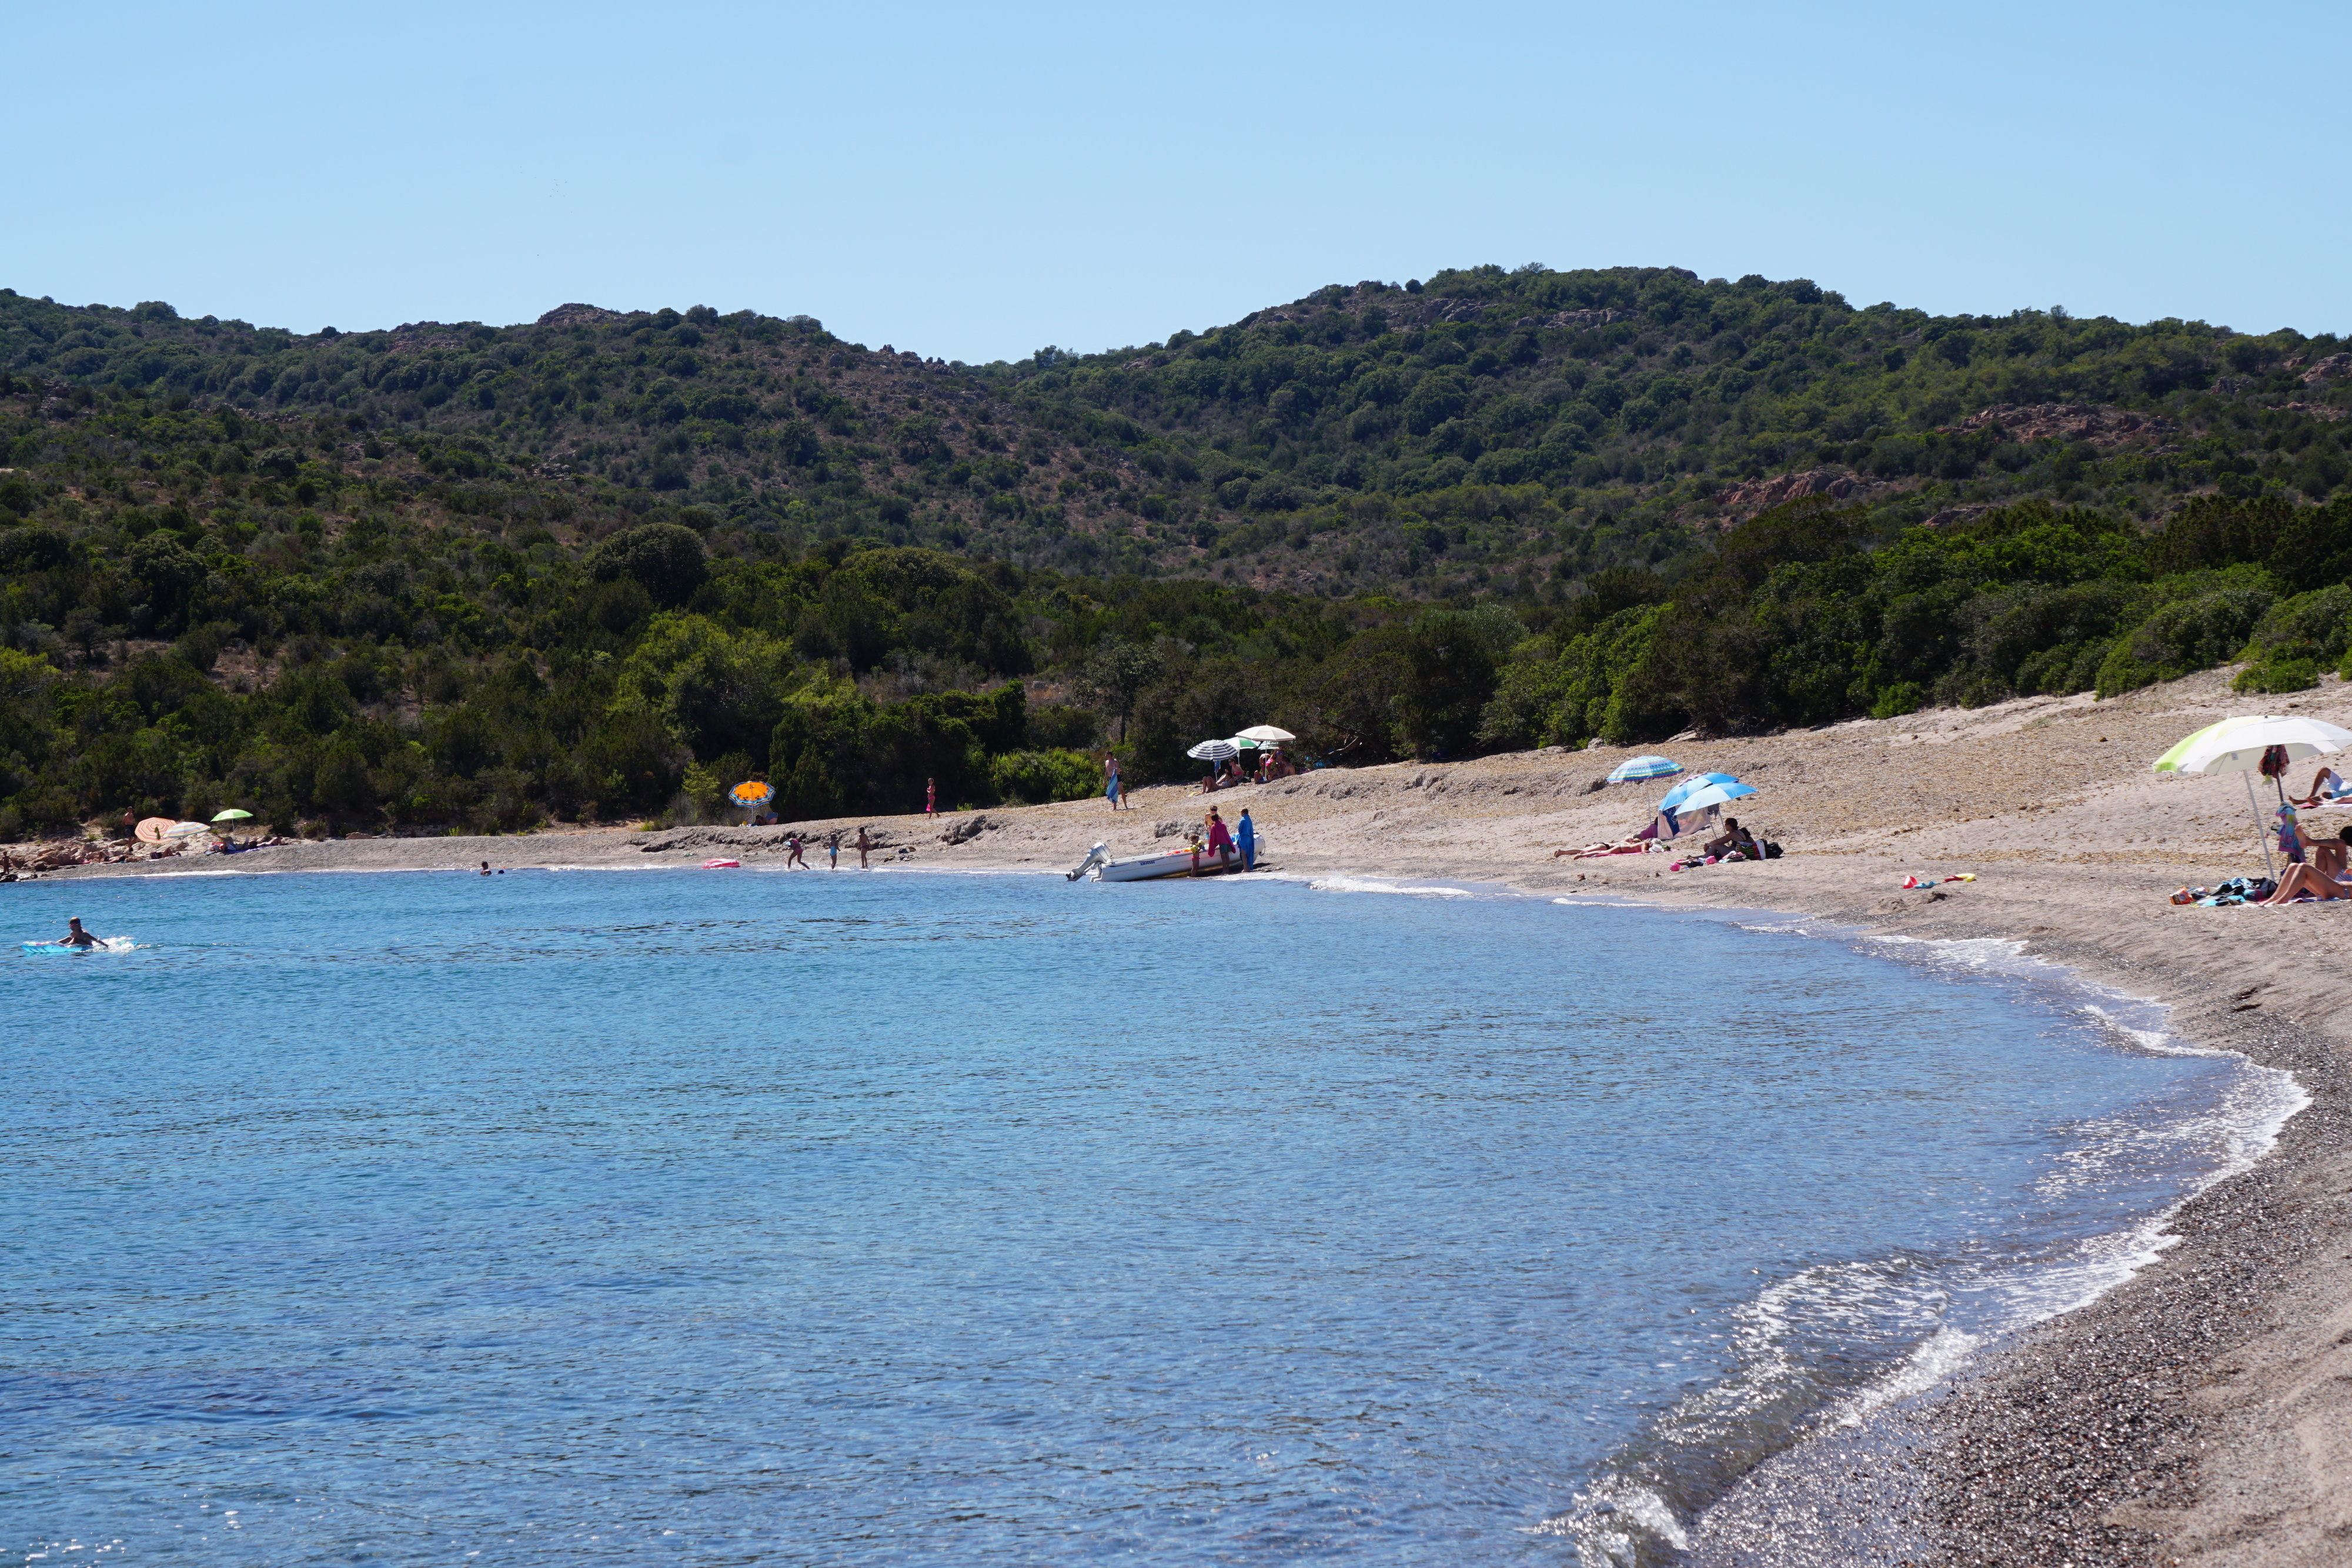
x: 1155, y: 868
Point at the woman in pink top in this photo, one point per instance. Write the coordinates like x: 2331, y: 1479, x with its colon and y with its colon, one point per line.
x: 1221, y: 843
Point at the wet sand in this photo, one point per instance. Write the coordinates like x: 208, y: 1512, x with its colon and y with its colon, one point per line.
x: 2199, y: 1414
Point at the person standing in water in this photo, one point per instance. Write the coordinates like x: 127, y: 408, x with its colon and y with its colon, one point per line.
x: 832, y: 849
x: 862, y: 847
x: 1245, y: 839
x: 76, y: 937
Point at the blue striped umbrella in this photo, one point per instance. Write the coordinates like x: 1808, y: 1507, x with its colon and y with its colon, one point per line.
x: 1643, y: 767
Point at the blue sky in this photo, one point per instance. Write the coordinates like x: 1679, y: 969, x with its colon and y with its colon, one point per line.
x: 973, y: 182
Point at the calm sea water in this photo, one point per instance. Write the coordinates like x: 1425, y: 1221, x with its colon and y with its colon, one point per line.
x: 607, y: 1218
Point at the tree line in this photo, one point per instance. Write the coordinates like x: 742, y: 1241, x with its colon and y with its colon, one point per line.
x: 342, y: 599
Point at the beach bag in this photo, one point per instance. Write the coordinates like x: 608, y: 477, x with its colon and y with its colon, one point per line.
x: 1772, y: 850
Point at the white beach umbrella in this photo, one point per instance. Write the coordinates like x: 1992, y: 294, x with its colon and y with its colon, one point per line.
x: 1266, y: 732
x: 187, y: 829
x: 1214, y: 751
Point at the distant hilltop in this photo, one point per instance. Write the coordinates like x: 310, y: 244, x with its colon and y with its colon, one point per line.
x: 1426, y: 438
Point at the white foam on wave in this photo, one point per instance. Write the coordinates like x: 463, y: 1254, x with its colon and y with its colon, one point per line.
x: 1379, y: 885
x: 2225, y: 1138
x: 1611, y: 1520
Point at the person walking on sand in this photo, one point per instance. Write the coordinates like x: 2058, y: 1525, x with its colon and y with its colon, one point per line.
x: 863, y: 845
x: 1110, y: 771
x: 930, y: 797
x: 1245, y: 837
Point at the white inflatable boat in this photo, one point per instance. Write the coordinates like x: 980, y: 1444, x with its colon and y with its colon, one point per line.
x: 1182, y: 862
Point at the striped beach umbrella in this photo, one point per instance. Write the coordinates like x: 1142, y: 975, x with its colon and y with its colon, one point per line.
x: 1643, y: 767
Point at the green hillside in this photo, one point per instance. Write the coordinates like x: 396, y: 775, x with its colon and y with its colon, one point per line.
x: 606, y: 563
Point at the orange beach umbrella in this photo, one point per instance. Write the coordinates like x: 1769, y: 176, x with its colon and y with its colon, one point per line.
x: 752, y: 793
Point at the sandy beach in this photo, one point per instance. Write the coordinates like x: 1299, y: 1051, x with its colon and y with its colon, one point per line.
x: 2201, y: 1413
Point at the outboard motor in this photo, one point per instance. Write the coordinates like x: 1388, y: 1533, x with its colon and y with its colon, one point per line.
x: 1094, y: 857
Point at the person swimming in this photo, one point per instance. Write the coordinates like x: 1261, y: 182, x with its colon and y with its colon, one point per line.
x: 76, y: 937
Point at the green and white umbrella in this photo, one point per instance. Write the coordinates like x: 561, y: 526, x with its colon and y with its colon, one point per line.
x: 232, y: 815
x: 2237, y: 744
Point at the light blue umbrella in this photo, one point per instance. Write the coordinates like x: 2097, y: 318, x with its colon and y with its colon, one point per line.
x: 1643, y: 767
x: 1690, y: 787
x: 1714, y: 795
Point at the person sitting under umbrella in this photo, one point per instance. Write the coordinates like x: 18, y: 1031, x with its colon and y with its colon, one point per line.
x: 2326, y: 856
x: 1734, y: 840
x: 2303, y: 882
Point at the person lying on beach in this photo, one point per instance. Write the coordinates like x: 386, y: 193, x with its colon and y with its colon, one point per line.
x: 2302, y: 881
x: 1630, y: 845
x: 76, y: 937
x: 2326, y: 786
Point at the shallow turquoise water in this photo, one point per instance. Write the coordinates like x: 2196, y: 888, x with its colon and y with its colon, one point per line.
x: 729, y: 1217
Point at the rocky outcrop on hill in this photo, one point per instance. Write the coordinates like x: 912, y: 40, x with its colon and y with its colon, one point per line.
x: 1579, y: 319
x: 2328, y: 370
x: 2099, y: 424
x: 577, y: 314
x: 1412, y: 311
x: 1756, y: 495
x: 415, y: 337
